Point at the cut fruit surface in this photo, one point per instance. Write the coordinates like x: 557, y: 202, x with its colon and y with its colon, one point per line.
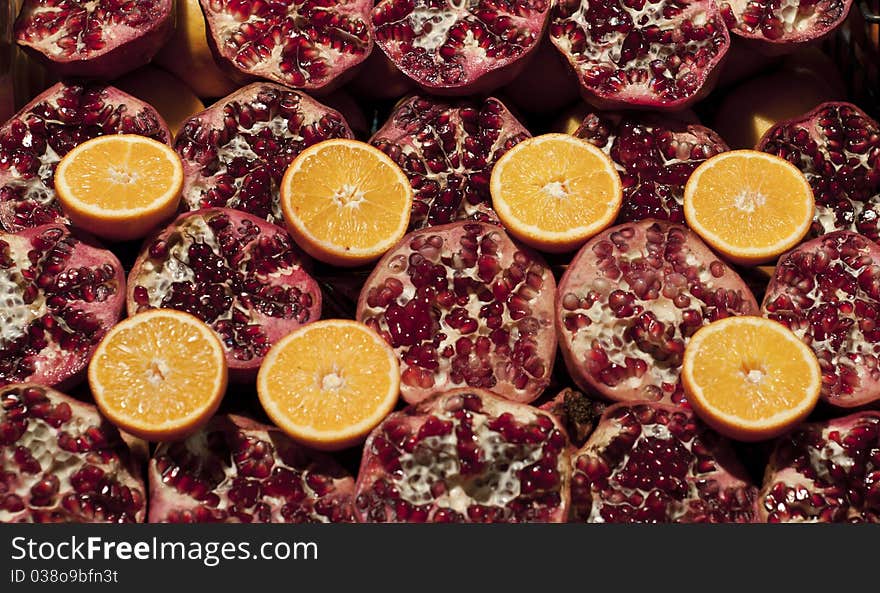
x: 119, y: 186
x: 555, y: 191
x: 345, y: 202
x: 750, y: 378
x: 750, y: 206
x: 159, y: 375
x: 328, y: 384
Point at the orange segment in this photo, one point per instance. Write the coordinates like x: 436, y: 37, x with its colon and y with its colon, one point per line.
x: 555, y: 191
x: 159, y: 375
x: 345, y: 202
x: 329, y: 383
x: 748, y: 205
x: 750, y: 378
x: 119, y: 186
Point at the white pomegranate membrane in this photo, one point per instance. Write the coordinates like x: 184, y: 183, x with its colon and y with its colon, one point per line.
x: 62, y: 462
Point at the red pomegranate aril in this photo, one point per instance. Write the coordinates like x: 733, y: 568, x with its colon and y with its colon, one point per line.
x: 237, y: 470
x: 34, y: 140
x: 101, y: 39
x: 656, y: 54
x: 625, y: 339
x: 654, y: 155
x: 836, y: 311
x: 447, y: 149
x: 311, y: 44
x: 465, y: 455
x: 837, y: 147
x: 44, y: 479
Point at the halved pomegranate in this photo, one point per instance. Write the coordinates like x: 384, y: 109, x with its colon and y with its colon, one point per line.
x: 97, y: 39
x: 304, y: 44
x: 837, y: 146
x: 647, y: 54
x: 61, y: 462
x: 657, y: 463
x: 465, y: 456
x: 463, y: 305
x: 447, y: 150
x: 236, y: 151
x: 239, y: 274
x: 47, y: 128
x: 459, y: 48
x: 825, y: 472
x: 59, y: 294
x: 827, y: 291
x: 654, y: 155
x: 631, y: 299
x: 236, y: 470
x: 784, y: 26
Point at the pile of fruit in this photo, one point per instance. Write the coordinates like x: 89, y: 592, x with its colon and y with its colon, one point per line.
x: 446, y: 262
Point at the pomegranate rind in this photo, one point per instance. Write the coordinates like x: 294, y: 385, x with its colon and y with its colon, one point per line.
x: 651, y: 332
x: 841, y: 160
x: 791, y: 35
x: 417, y: 135
x: 447, y: 63
x: 824, y: 472
x: 27, y: 193
x: 679, y: 83
x: 124, y: 46
x: 832, y: 303
x: 306, y: 29
x: 533, y: 436
x: 293, y: 275
x: 649, y: 462
x: 61, y: 462
x: 236, y: 152
x: 85, y: 288
x: 531, y: 325
x: 271, y: 480
x: 654, y: 155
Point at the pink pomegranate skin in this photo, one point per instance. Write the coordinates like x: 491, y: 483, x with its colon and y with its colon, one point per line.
x: 462, y: 304
x: 53, y: 123
x: 631, y: 299
x: 825, y: 472
x: 61, y: 294
x: 466, y: 455
x: 61, y: 462
x: 101, y: 39
x: 237, y: 470
x: 650, y: 462
x: 827, y: 291
x: 241, y: 275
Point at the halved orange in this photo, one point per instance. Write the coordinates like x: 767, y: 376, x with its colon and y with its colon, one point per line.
x: 119, y: 186
x: 329, y: 383
x: 750, y: 378
x: 159, y: 375
x: 345, y: 202
x: 555, y: 191
x: 748, y: 205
